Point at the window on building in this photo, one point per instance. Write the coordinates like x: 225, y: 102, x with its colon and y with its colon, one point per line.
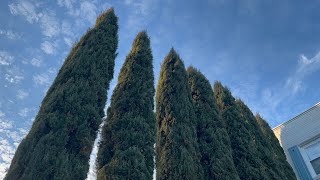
x: 313, y: 153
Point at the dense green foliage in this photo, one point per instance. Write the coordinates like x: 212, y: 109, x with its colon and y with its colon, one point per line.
x: 177, y: 152
x: 128, y: 137
x: 280, y: 164
x: 250, y: 149
x: 213, y: 139
x: 59, y: 143
x: 246, y: 156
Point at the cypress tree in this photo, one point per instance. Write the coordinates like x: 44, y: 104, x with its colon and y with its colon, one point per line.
x: 267, y: 166
x: 213, y: 139
x: 245, y: 151
x: 177, y: 152
x: 281, y: 165
x: 59, y: 143
x: 126, y: 150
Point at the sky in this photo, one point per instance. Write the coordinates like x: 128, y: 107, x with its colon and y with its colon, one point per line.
x: 266, y: 52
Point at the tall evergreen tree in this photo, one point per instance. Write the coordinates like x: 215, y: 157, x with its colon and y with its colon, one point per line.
x: 281, y: 165
x: 126, y: 150
x: 267, y: 167
x: 177, y: 152
x: 59, y: 143
x: 213, y: 139
x: 246, y: 155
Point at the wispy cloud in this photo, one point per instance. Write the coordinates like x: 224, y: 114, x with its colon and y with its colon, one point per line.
x: 22, y: 94
x: 10, y: 34
x: 46, y: 18
x: 24, y: 112
x: 5, y: 58
x: 49, y: 24
x: 66, y: 28
x: 14, y: 75
x: 10, y: 137
x: 36, y: 62
x: 48, y: 47
x: 25, y: 9
x: 66, y: 3
x: 86, y: 10
x: 41, y: 79
x: 281, y: 94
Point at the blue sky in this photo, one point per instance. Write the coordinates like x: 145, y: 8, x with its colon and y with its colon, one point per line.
x: 266, y: 52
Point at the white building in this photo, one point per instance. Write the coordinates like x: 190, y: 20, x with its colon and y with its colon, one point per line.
x: 300, y: 140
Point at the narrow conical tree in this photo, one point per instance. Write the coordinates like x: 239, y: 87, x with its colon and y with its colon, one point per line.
x: 213, y: 139
x: 177, y: 152
x: 267, y: 166
x: 281, y: 165
x: 59, y: 143
x: 246, y: 156
x: 126, y: 150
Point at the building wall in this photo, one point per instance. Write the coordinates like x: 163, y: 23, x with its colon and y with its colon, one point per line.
x: 299, y: 131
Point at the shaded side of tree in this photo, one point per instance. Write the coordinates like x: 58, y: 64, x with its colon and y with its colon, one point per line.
x: 213, y: 139
x: 246, y: 156
x: 276, y: 154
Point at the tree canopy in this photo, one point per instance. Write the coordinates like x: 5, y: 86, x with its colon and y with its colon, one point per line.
x: 213, y: 139
x: 177, y: 151
x: 60, y: 141
x: 126, y: 150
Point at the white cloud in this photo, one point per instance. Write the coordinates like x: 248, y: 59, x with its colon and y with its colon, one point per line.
x: 66, y: 28
x: 36, y: 62
x: 52, y: 70
x: 282, y: 93
x: 10, y: 137
x: 22, y: 94
x: 5, y: 124
x: 24, y: 112
x: 25, y: 9
x: 139, y: 14
x: 2, y: 114
x: 68, y: 41
x: 66, y: 3
x: 47, y: 20
x: 49, y: 24
x: 41, y: 79
x: 88, y: 11
x: 308, y: 66
x: 10, y: 34
x: 5, y: 58
x: 14, y: 75
x: 305, y: 68
x: 48, y: 47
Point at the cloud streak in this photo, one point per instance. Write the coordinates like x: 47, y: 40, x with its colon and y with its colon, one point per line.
x: 10, y: 34
x: 25, y: 9
x: 5, y: 58
x: 21, y: 94
x: 48, y: 47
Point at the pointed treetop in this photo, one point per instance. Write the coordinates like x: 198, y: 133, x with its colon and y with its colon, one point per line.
x: 243, y: 106
x: 107, y: 17
x: 258, y: 116
x: 200, y: 81
x: 192, y: 70
x: 173, y: 58
x: 141, y: 41
x: 223, y: 95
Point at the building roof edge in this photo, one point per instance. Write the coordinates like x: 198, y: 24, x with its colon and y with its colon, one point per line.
x: 296, y: 117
